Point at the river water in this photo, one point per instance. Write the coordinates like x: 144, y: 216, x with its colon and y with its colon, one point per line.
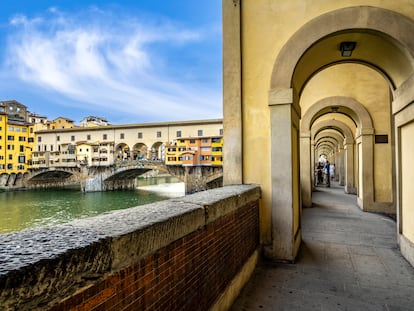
x: 34, y: 208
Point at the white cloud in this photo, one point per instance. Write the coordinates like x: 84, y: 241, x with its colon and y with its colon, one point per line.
x: 109, y: 64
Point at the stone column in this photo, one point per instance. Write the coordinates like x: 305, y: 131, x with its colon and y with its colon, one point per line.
x: 349, y: 167
x: 285, y: 219
x: 314, y: 158
x: 366, y: 183
x: 232, y: 98
x: 306, y: 169
x: 340, y: 166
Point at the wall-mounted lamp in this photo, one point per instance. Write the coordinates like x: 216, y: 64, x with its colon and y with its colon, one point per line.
x: 346, y: 48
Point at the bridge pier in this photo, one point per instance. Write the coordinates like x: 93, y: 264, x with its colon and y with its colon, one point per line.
x: 198, y: 178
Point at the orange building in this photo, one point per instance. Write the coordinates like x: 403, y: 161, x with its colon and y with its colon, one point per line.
x: 200, y: 151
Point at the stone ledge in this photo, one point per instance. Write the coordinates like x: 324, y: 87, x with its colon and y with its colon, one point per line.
x: 44, y: 265
x: 221, y: 201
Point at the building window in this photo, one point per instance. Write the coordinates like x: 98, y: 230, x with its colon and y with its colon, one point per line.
x: 88, y: 137
x: 30, y: 140
x: 10, y: 147
x: 178, y: 133
x: 104, y: 136
x: 192, y: 141
x: 39, y: 139
x: 221, y: 132
x: 10, y: 137
x: 22, y: 159
x: 58, y: 138
x: 122, y: 136
x: 158, y: 134
x: 9, y: 166
x: 10, y: 157
x: 21, y: 148
x: 200, y: 132
x: 72, y: 138
x: 140, y: 135
x: 22, y: 138
x: 51, y: 147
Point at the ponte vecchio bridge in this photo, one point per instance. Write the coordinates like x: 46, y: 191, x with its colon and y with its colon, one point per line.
x: 123, y: 175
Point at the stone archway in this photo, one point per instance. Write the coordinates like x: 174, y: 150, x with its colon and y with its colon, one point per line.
x: 339, y: 161
x: 122, y: 152
x: 140, y: 151
x: 348, y: 146
x: 275, y: 72
x: 285, y: 89
x: 364, y: 140
x: 158, y: 151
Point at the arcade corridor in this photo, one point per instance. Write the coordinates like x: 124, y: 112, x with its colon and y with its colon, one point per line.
x: 349, y: 260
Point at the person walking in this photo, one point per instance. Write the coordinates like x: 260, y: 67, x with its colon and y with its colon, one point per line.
x: 326, y: 173
x: 332, y: 171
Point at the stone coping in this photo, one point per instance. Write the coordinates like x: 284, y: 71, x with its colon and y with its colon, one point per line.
x: 150, y: 227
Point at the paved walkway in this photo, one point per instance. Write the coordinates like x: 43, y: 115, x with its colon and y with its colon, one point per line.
x: 349, y: 261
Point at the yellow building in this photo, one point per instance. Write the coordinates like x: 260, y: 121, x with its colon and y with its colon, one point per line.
x: 200, y: 151
x: 16, y: 139
x: 62, y: 123
x: 305, y: 79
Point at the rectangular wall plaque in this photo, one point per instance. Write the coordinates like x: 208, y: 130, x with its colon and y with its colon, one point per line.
x: 381, y: 139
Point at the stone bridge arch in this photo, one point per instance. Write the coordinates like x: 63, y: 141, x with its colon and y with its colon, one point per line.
x: 53, y: 177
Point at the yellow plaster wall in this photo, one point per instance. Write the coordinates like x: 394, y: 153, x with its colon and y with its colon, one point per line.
x: 407, y: 180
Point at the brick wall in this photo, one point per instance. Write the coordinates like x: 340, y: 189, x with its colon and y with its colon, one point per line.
x: 187, y: 273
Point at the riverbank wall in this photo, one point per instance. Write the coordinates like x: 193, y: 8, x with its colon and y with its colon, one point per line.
x: 189, y: 253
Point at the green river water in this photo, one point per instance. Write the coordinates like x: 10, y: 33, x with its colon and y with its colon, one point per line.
x: 34, y: 208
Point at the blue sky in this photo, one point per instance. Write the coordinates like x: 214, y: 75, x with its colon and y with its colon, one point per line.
x: 128, y: 61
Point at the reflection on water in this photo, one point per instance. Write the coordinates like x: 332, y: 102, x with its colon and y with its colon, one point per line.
x: 34, y: 208
x: 156, y: 180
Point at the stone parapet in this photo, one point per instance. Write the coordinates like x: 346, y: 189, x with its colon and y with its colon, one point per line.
x: 180, y: 253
